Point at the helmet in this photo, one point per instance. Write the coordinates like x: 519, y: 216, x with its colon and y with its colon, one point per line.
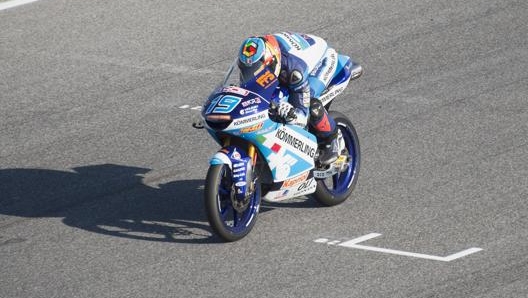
x: 257, y: 52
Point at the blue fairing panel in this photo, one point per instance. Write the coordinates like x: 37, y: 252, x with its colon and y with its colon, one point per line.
x: 316, y: 87
x: 240, y: 165
x: 344, y: 65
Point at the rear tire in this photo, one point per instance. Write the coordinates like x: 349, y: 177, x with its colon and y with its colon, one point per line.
x: 335, y: 190
x: 225, y: 221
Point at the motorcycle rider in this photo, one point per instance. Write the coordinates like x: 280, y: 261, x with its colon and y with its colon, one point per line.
x: 305, y: 65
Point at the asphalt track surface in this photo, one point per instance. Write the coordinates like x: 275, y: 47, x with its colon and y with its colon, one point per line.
x: 101, y: 174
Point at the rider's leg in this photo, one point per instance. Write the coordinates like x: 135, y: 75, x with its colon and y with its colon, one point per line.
x: 325, y: 129
x: 322, y: 124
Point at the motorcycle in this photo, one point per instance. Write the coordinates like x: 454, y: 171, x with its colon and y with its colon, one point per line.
x: 263, y: 157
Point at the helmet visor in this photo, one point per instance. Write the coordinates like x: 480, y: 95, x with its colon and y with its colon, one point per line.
x: 248, y: 72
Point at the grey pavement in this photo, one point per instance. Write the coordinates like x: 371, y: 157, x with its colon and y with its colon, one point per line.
x: 101, y: 173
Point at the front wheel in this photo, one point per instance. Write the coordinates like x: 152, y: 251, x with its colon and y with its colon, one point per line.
x: 228, y: 222
x: 336, y: 189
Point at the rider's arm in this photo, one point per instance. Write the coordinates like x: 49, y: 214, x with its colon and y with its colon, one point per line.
x: 294, y: 75
x: 300, y: 100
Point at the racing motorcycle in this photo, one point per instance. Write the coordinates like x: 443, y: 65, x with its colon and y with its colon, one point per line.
x: 263, y: 157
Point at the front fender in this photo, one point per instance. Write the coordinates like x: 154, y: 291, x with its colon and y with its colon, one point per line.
x: 220, y: 158
x: 240, y: 165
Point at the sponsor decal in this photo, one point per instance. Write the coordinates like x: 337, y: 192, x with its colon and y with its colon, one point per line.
x: 296, y: 143
x: 296, y: 180
x: 329, y: 95
x: 331, y: 67
x: 240, y: 184
x: 239, y: 164
x: 266, y: 79
x: 241, y: 169
x: 305, y: 185
x: 239, y: 175
x: 247, y: 120
x: 236, y: 90
x: 252, y: 128
x: 252, y: 101
x: 292, y: 41
x: 309, y: 190
x: 250, y: 110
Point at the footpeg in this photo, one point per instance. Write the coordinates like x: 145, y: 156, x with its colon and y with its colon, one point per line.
x: 338, y: 166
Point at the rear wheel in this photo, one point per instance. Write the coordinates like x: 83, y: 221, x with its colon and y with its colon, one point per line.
x: 228, y: 222
x: 336, y: 189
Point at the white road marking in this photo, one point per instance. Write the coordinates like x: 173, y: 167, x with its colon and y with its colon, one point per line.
x: 196, y: 108
x: 354, y: 244
x: 360, y: 239
x: 462, y: 254
x: 14, y: 3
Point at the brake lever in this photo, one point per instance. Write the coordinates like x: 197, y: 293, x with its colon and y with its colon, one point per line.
x: 272, y: 111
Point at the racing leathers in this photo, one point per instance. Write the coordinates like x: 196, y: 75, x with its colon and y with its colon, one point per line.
x: 307, y: 67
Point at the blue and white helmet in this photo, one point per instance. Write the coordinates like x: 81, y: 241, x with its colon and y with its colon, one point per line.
x: 257, y: 52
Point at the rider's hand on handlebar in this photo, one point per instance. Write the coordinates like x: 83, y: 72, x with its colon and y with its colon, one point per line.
x: 286, y: 111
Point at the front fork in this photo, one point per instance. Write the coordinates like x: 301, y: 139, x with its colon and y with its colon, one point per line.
x: 252, y: 153
x: 241, y: 165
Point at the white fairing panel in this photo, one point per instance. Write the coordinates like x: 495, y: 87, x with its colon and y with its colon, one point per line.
x: 311, y: 54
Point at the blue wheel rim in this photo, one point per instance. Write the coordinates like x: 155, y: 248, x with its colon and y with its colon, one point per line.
x: 341, y: 181
x: 235, y: 222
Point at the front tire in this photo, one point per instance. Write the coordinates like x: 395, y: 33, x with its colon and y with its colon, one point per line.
x: 226, y: 222
x: 336, y: 189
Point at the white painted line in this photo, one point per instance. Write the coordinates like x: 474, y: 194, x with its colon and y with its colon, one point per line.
x: 14, y: 3
x: 360, y: 239
x: 354, y: 244
x: 196, y: 108
x: 394, y: 252
x: 462, y: 254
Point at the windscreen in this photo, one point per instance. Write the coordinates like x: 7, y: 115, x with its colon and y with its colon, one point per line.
x: 259, y: 80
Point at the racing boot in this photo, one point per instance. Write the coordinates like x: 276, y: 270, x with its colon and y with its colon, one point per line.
x: 329, y: 151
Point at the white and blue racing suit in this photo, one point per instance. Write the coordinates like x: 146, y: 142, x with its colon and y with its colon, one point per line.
x: 307, y: 67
